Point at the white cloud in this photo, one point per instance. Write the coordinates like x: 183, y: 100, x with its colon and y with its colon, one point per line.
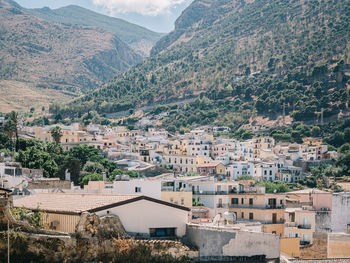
x: 144, y: 7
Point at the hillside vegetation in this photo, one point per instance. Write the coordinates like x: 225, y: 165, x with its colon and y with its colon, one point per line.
x: 137, y: 37
x: 62, y: 57
x: 240, y: 58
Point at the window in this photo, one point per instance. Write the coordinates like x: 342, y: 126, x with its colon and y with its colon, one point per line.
x: 242, y: 214
x: 234, y: 201
x: 162, y: 232
x: 251, y: 216
x: 182, y: 201
x: 250, y: 201
x: 270, y: 172
x: 137, y: 189
x: 242, y: 201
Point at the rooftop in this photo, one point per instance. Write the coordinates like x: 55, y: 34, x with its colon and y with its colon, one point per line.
x: 71, y: 203
x: 78, y: 203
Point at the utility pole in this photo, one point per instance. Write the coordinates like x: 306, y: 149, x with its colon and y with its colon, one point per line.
x: 8, y: 240
x: 321, y: 116
x: 284, y: 113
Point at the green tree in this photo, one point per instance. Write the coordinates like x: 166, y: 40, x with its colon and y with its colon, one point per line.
x: 91, y: 177
x: 315, y: 131
x: 93, y: 167
x: 56, y: 134
x: 11, y: 127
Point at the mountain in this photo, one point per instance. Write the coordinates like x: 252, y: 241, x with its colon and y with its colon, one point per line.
x: 237, y: 59
x: 63, y: 57
x: 138, y: 38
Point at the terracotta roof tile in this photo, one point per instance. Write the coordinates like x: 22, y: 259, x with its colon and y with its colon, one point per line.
x: 72, y: 203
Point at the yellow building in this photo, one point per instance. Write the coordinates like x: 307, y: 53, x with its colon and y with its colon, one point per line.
x: 179, y: 198
x: 300, y: 223
x: 290, y: 246
x: 185, y: 163
x: 265, y: 208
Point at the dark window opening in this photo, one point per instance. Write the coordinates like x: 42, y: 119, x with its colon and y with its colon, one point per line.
x: 162, y: 232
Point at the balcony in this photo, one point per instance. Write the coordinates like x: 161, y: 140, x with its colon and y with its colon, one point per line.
x: 304, y: 226
x: 222, y: 206
x: 213, y: 192
x: 256, y: 206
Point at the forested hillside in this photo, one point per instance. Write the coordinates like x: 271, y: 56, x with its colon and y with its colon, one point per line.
x: 240, y: 58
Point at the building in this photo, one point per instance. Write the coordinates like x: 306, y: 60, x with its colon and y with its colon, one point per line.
x: 237, y: 169
x: 300, y: 223
x: 140, y: 215
x: 214, y: 168
x: 213, y: 193
x: 267, y: 209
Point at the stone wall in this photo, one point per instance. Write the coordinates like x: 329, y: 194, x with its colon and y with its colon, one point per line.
x: 49, y: 184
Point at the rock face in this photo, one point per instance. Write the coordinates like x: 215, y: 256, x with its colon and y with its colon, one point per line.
x: 90, y: 225
x: 60, y: 56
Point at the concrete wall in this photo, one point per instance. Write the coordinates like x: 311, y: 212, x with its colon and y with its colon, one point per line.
x: 322, y: 200
x: 277, y: 229
x: 216, y: 242
x: 323, y: 221
x: 340, y: 212
x: 338, y: 246
x: 290, y: 246
x: 179, y: 198
x: 148, y: 188
x: 140, y: 216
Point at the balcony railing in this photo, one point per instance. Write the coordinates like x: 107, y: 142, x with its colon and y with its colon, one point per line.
x: 304, y: 226
x: 214, y: 192
x: 257, y: 206
x: 222, y: 206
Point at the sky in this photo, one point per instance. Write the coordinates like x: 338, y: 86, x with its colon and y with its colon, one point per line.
x: 157, y: 15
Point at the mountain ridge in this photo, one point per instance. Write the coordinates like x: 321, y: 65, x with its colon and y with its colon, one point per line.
x: 137, y: 37
x: 241, y: 58
x: 48, y: 55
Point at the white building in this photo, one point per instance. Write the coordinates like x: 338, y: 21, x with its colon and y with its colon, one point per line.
x: 213, y: 194
x: 236, y: 169
x: 137, y: 186
x: 265, y: 171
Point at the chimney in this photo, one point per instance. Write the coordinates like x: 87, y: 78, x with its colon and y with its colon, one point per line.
x: 67, y: 175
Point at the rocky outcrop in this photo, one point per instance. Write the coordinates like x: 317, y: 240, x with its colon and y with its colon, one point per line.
x: 96, y: 240
x: 90, y: 225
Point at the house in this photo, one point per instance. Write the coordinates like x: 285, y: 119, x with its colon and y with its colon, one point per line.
x: 213, y: 193
x: 267, y: 209
x: 214, y: 167
x: 140, y: 215
x: 300, y: 223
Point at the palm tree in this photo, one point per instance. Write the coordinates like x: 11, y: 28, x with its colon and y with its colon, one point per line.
x: 11, y: 127
x: 56, y: 134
